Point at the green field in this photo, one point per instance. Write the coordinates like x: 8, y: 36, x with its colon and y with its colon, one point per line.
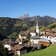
x: 49, y: 51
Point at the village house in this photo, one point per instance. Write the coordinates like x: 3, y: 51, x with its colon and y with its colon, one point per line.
x: 33, y: 33
x: 17, y: 49
x: 7, y: 44
x: 54, y: 30
x: 23, y: 36
x: 8, y: 47
x: 50, y: 35
x: 48, y: 30
x: 7, y: 41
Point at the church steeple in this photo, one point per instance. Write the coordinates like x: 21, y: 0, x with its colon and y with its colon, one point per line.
x: 37, y: 29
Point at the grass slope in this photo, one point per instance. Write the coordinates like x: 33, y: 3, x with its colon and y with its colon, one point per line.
x: 50, y: 51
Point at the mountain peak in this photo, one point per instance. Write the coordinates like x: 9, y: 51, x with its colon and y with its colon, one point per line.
x: 26, y: 15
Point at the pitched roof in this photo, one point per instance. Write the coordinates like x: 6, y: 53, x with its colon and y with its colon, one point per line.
x: 51, y: 34
x: 17, y: 47
x: 8, y: 41
x: 24, y: 33
x: 48, y: 30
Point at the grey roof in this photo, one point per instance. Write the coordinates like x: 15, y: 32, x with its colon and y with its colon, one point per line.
x: 35, y: 37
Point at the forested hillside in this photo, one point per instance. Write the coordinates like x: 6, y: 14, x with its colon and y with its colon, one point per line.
x: 10, y: 25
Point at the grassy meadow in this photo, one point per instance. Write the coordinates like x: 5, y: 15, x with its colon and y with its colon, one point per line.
x: 49, y: 51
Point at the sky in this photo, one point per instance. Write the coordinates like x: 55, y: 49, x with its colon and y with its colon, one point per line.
x: 16, y: 8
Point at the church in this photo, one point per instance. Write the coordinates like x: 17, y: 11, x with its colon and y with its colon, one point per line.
x: 36, y: 41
